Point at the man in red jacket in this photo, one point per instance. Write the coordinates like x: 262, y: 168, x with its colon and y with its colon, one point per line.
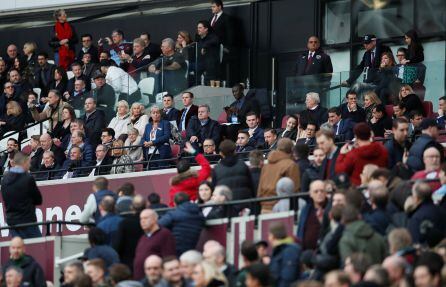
x: 186, y: 180
x: 354, y: 156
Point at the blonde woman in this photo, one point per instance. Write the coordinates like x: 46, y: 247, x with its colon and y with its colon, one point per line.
x: 138, y: 118
x: 207, y: 274
x: 121, y: 157
x: 29, y: 51
x: 370, y: 101
x: 120, y: 122
x: 410, y: 100
x: 134, y: 139
x: 15, y: 119
x: 183, y: 39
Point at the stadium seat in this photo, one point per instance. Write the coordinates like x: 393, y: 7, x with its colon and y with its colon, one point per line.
x: 139, y: 167
x: 146, y: 86
x: 389, y: 110
x: 38, y: 91
x: 428, y: 109
x: 175, y: 150
x: 70, y: 75
x: 159, y: 97
x: 222, y: 118
x: 284, y: 120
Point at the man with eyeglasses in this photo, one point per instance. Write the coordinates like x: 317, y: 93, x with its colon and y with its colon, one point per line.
x: 102, y: 160
x: 116, y: 46
x: 88, y: 47
x: 407, y: 74
x: 310, y: 135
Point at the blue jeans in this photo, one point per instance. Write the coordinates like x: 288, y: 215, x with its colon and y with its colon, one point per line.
x: 26, y: 232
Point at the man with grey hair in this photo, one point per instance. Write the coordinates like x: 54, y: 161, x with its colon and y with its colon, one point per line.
x: 314, y: 113
x: 169, y: 70
x: 188, y: 261
x: 134, y: 64
x: 13, y: 276
x: 202, y: 127
x: 215, y: 253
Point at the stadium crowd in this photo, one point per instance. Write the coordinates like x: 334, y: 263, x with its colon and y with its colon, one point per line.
x: 371, y: 171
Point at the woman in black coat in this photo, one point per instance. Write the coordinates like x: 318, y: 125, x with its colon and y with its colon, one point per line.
x: 380, y: 122
x: 15, y: 118
x: 410, y: 100
x: 415, y: 49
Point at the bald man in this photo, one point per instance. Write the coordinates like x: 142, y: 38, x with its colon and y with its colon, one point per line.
x: 396, y: 267
x: 32, y: 272
x: 153, y: 270
x: 156, y: 240
x: 46, y: 144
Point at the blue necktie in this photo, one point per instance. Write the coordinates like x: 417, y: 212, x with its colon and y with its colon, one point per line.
x: 183, y: 117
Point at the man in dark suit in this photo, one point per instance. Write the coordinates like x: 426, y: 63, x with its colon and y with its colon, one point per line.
x: 75, y: 165
x: 441, y: 119
x: 169, y: 112
x: 242, y: 105
x: 88, y: 47
x: 102, y: 160
x: 342, y: 128
x: 371, y: 60
x: 46, y: 144
x: 152, y: 49
x: 256, y: 136
x: 314, y: 60
x: 242, y: 144
x: 44, y: 73
x: 351, y: 109
x: 202, y: 127
x: 76, y: 68
x: 326, y: 142
x: 310, y: 134
x: 104, y: 95
x: 314, y: 113
x: 187, y: 112
x: 208, y: 45
x: 94, y: 122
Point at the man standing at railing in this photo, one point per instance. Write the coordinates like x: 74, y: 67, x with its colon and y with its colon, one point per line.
x: 21, y: 195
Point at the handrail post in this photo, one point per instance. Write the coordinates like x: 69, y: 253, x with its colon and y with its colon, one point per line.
x: 228, y: 216
x: 48, y: 228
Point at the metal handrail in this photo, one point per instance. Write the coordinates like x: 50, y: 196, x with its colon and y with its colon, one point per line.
x: 47, y: 224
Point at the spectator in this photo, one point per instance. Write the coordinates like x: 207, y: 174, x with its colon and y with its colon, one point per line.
x: 107, y: 137
x: 15, y: 118
x: 310, y: 135
x: 414, y: 48
x: 103, y: 161
x: 353, y: 157
x: 188, y: 261
x: 258, y: 275
x: 122, y: 163
x: 233, y: 173
x: 116, y: 46
x: 429, y: 134
x: 337, y: 279
x: 209, y: 150
x: 221, y: 194
x: 156, y: 240
x: 286, y: 255
x: 250, y: 258
x: 351, y: 109
x: 43, y: 75
x: 170, y: 113
x: 284, y: 187
x: 256, y: 137
x: 202, y: 127
x: 10, y: 94
x: 207, y: 275
x: 138, y: 118
x: 14, y: 277
x: 399, y: 111
x: 314, y: 112
x: 48, y: 170
x: 169, y: 70
x: 135, y: 152
x: 313, y: 61
x: 120, y: 276
x: 270, y: 136
x: 427, y: 270
x: 47, y: 145
x: 187, y: 181
x: 314, y: 170
x: 59, y: 81
x: 310, y: 223
x: 3, y: 73
x: 99, y: 248
x: 52, y: 111
x: 104, y: 95
x: 431, y: 160
x: 214, y: 253
x: 398, y: 144
x: 78, y: 140
x: 187, y: 112
x: 290, y: 131
x: 205, y: 192
x: 183, y: 40
x: 32, y: 273
x: 153, y: 270
x: 237, y: 110
x: 77, y: 97
x: 172, y: 273
x: 279, y: 165
x: 425, y: 218
x: 129, y: 231
x: 243, y: 142
x: 151, y: 48
x: 385, y: 80
x: 441, y: 119
x: 120, y: 122
x: 76, y: 68
x: 88, y: 48
x: 256, y: 161
x: 100, y: 190
x: 94, y: 122
x: 12, y: 147
x: 415, y: 118
x: 11, y: 54
x: 356, y: 266
x: 109, y: 220
x: 154, y: 201
x: 122, y: 83
x: 379, y: 219
x: 126, y: 193
x: 396, y: 268
x: 134, y: 63
x: 208, y: 45
x: 342, y: 128
x: 439, y: 195
x: 407, y: 74
x: 358, y: 236
x: 62, y: 128
x: 410, y: 100
x: 325, y: 141
x: 156, y: 137
x: 63, y: 40
x: 71, y: 272
x: 301, y: 153
x: 21, y: 195
x: 380, y: 122
x: 96, y: 270
x: 88, y: 67
x: 185, y: 222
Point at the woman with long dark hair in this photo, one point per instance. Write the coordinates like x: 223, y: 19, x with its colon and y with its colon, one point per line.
x: 63, y: 40
x: 415, y: 51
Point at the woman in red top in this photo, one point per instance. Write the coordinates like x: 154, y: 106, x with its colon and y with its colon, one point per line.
x: 186, y: 180
x: 63, y: 40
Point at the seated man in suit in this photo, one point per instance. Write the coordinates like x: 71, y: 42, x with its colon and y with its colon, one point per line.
x: 242, y: 144
x: 202, y: 127
x: 76, y: 68
x: 237, y: 111
x: 310, y: 135
x: 48, y: 169
x: 94, y: 122
x: 441, y: 119
x: 270, y: 136
x: 351, y: 109
x: 78, y: 139
x: 256, y: 137
x: 46, y: 144
x: 415, y: 118
x: 170, y: 113
x: 342, y: 128
x: 187, y: 112
x: 75, y: 161
x: 314, y: 113
x: 102, y: 160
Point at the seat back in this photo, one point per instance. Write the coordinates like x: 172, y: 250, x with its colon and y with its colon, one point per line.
x: 428, y: 109
x: 284, y: 120
x: 222, y: 118
x: 146, y: 86
x: 70, y: 75
x: 389, y: 110
x: 175, y: 150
